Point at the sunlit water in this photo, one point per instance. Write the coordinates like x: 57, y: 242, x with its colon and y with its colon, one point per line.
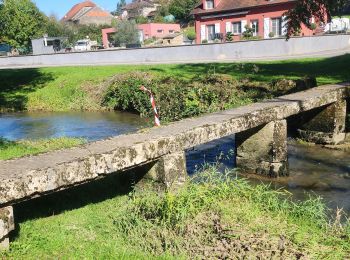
x: 313, y: 169
x: 89, y: 125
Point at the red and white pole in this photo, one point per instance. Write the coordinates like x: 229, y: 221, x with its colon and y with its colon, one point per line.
x: 153, y: 102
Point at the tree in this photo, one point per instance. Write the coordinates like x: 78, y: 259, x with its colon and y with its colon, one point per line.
x: 182, y: 9
x: 120, y: 6
x: 20, y: 21
x: 305, y: 10
x: 127, y: 33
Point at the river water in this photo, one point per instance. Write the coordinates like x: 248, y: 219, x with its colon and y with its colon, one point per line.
x: 313, y: 169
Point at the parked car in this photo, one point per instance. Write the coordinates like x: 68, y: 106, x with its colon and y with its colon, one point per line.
x: 84, y: 45
x: 5, y: 49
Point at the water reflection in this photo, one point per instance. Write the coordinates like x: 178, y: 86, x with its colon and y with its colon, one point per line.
x: 89, y: 125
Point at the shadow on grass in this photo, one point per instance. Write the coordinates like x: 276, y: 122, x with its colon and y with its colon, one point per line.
x: 95, y: 191
x: 17, y: 83
x: 327, y: 70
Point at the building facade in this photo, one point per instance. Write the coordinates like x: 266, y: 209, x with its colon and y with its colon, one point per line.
x: 146, y: 31
x: 216, y: 18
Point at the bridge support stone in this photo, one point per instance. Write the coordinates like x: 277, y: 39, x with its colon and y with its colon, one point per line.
x: 263, y: 150
x: 170, y: 171
x: 325, y: 125
x: 6, y: 226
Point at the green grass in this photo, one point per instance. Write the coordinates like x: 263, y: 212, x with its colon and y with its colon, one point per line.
x: 69, y: 88
x: 15, y: 149
x: 214, y: 216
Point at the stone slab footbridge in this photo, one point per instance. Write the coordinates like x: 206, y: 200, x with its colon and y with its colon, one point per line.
x: 319, y: 114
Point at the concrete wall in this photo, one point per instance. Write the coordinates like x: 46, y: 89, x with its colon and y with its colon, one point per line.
x: 264, y: 49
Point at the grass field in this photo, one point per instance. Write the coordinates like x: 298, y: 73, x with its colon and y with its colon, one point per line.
x: 64, y: 88
x: 15, y: 149
x: 214, y: 216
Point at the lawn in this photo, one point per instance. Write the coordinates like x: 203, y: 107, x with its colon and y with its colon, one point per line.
x: 213, y: 216
x: 64, y: 88
x: 15, y: 149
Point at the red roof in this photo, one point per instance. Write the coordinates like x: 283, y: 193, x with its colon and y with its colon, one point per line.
x: 98, y: 12
x: 75, y: 9
x: 229, y: 5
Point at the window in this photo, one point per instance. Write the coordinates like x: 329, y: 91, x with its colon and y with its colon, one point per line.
x: 211, y: 32
x: 209, y: 4
x: 237, y: 28
x: 276, y: 26
x: 255, y: 27
x: 171, y: 31
x: 160, y: 31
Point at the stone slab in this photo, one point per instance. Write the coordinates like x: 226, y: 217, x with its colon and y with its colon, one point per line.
x: 32, y: 176
x: 263, y: 149
x: 6, y: 226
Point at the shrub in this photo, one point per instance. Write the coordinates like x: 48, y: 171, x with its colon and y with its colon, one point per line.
x: 191, y: 34
x: 176, y: 98
x: 229, y: 37
x: 204, y: 41
x: 313, y: 26
x: 248, y: 33
x: 271, y: 34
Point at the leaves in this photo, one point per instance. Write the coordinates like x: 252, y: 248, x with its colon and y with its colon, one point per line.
x: 20, y: 21
x: 307, y: 10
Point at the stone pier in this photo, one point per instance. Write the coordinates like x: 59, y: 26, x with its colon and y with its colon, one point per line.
x: 169, y: 171
x: 325, y: 125
x: 263, y: 150
x: 6, y: 226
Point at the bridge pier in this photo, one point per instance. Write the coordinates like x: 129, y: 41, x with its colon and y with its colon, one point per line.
x: 263, y: 150
x: 170, y: 171
x: 6, y: 226
x: 325, y: 125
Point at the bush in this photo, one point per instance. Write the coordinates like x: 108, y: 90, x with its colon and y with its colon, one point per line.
x: 190, y: 34
x: 204, y: 41
x: 229, y: 37
x: 176, y: 98
x: 271, y: 34
x: 248, y: 33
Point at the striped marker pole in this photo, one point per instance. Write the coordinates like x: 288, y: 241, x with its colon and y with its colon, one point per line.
x: 153, y: 102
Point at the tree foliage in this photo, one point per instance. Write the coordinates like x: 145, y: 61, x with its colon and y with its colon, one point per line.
x: 20, y: 20
x: 182, y: 9
x: 305, y: 10
x: 120, y: 5
x: 127, y: 33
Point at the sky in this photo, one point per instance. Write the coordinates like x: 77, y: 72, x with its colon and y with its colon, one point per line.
x: 61, y: 7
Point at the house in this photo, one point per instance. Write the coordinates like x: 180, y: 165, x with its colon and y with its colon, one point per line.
x: 215, y: 18
x: 145, y: 8
x: 173, y: 39
x: 87, y: 13
x: 48, y: 45
x: 146, y: 31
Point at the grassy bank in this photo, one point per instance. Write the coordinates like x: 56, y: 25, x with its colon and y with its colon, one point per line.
x: 218, y: 217
x: 15, y: 149
x: 74, y: 88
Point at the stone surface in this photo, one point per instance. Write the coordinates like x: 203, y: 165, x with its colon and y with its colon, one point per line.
x: 6, y: 226
x: 32, y: 176
x: 325, y: 125
x: 263, y: 150
x: 169, y: 170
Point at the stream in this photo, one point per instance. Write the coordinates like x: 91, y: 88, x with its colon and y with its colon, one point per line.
x: 313, y: 169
